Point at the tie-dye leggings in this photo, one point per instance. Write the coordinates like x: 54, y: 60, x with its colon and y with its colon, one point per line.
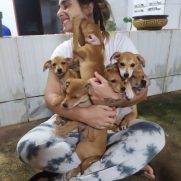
x: 129, y: 151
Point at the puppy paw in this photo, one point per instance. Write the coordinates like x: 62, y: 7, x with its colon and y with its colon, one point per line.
x: 61, y: 132
x: 114, y: 127
x: 130, y: 95
x: 73, y: 173
x: 124, y: 124
x: 59, y: 121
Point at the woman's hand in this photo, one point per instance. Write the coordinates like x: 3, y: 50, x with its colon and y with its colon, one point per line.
x: 99, y: 116
x: 100, y: 89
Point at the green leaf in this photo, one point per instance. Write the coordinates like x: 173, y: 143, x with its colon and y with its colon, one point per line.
x: 127, y: 20
x: 111, y: 26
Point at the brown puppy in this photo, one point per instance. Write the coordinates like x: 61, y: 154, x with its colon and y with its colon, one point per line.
x: 92, y: 143
x: 124, y: 87
x: 60, y: 66
x: 88, y: 47
x: 127, y: 63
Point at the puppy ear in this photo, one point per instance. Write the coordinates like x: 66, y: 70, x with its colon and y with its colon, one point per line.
x: 108, y: 68
x: 141, y: 59
x: 88, y: 84
x: 111, y: 67
x: 69, y: 61
x: 67, y: 83
x: 116, y: 56
x: 48, y: 64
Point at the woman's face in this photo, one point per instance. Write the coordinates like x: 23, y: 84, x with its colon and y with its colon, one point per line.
x: 67, y: 10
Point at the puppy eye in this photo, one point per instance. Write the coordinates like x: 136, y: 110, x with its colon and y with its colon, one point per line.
x: 122, y: 64
x: 63, y: 63
x: 74, y: 97
x: 54, y: 64
x: 132, y: 65
x: 67, y: 84
x: 113, y: 81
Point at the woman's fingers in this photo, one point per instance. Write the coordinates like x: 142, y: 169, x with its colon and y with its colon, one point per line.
x: 100, y: 78
x: 107, y: 108
x: 106, y: 125
x: 94, y: 82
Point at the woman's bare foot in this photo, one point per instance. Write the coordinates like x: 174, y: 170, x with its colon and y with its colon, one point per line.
x: 148, y: 172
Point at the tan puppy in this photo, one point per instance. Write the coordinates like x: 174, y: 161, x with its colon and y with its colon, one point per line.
x: 130, y: 68
x: 117, y: 83
x: 139, y: 80
x: 127, y: 63
x: 88, y: 47
x: 92, y: 143
x: 123, y: 87
x: 60, y: 66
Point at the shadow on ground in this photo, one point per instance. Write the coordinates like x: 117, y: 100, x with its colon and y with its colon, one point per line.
x: 164, y: 109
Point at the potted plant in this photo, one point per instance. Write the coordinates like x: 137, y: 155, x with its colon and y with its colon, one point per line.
x: 111, y: 26
x: 128, y: 20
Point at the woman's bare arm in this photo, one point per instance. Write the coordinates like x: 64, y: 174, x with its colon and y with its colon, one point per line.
x: 102, y: 93
x: 98, y: 116
x: 137, y: 98
x: 124, y: 102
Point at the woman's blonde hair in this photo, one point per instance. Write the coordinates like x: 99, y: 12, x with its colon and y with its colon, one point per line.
x: 101, y: 12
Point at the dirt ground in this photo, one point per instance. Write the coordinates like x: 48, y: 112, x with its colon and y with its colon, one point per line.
x: 164, y: 109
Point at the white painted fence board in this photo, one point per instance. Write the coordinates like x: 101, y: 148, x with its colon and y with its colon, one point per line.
x: 154, y: 47
x: 10, y: 71
x: 180, y: 19
x: 156, y: 86
x: 13, y: 112
x: 37, y: 108
x: 173, y: 10
x: 34, y: 51
x: 174, y: 59
x: 173, y: 2
x: 172, y: 83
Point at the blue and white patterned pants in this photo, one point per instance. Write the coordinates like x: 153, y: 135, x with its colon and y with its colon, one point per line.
x: 129, y: 151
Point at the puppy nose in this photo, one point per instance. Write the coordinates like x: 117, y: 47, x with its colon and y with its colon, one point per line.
x: 122, y: 89
x: 143, y: 83
x: 126, y: 75
x: 90, y: 36
x: 59, y: 71
x: 65, y: 105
